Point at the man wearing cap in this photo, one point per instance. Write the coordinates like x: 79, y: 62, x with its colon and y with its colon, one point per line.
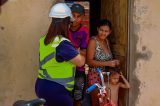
x: 79, y: 36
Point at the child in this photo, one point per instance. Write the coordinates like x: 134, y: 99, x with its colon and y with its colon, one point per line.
x: 79, y: 36
x: 114, y: 85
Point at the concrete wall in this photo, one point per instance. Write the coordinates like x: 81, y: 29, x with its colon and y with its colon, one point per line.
x: 144, y: 52
x: 22, y: 22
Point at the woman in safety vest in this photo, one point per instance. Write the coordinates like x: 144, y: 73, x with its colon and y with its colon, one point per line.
x: 57, y: 60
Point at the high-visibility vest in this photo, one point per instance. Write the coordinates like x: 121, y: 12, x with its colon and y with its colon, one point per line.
x: 60, y: 72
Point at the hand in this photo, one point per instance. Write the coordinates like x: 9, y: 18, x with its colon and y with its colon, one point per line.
x: 121, y: 74
x: 86, y: 67
x: 114, y: 63
x: 79, y: 49
x: 117, y: 62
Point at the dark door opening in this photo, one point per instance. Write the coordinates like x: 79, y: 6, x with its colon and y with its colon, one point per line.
x: 95, y: 15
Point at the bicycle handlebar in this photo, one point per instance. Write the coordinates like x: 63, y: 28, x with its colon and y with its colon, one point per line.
x: 34, y: 102
x: 102, y: 87
x: 91, y: 88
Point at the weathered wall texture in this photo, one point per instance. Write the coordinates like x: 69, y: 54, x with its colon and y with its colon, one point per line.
x: 22, y: 22
x: 145, y: 53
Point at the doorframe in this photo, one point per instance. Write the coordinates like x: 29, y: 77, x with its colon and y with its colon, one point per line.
x: 129, y: 46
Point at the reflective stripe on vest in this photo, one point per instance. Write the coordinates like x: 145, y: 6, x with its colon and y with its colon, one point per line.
x: 47, y: 58
x: 62, y: 81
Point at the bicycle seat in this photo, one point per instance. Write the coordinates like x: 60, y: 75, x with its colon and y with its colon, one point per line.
x: 34, y: 102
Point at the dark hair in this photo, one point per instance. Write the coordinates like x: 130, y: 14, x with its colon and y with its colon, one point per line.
x: 114, y: 73
x: 104, y: 22
x: 58, y: 26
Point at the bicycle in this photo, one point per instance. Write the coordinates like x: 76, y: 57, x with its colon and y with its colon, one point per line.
x: 104, y: 91
x: 34, y: 102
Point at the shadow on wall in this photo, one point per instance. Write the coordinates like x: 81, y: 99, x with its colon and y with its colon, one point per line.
x: 1, y: 3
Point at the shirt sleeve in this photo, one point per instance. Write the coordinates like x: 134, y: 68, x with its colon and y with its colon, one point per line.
x: 65, y: 51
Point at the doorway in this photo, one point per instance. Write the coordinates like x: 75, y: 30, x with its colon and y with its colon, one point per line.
x: 117, y: 12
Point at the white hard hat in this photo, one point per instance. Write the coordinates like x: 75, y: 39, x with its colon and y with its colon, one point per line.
x: 60, y: 10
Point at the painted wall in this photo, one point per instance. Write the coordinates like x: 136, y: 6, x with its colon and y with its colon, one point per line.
x: 22, y: 22
x: 144, y: 52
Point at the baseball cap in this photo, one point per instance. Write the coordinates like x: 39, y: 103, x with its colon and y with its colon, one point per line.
x: 77, y: 8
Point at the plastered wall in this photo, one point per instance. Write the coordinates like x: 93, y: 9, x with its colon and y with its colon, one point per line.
x: 144, y: 52
x: 22, y: 22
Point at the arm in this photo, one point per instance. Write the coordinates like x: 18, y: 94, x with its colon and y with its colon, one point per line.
x: 84, y: 41
x: 79, y: 60
x: 125, y: 84
x: 83, y: 52
x: 90, y: 56
x: 66, y: 52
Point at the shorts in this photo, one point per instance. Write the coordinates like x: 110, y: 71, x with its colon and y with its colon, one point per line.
x: 79, y: 87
